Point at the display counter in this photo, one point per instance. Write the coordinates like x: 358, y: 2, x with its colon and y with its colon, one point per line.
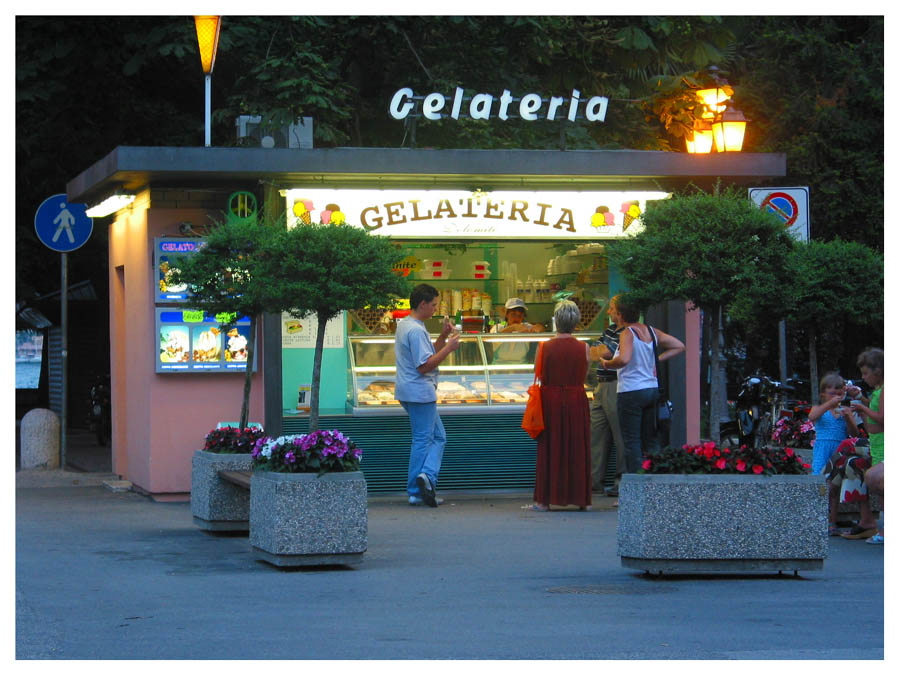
x: 489, y: 372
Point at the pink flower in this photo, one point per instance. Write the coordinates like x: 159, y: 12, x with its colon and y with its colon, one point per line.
x: 721, y: 463
x: 789, y: 452
x: 646, y: 464
x: 741, y: 466
x: 757, y: 469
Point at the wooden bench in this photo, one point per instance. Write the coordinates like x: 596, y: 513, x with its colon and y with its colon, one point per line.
x: 238, y: 478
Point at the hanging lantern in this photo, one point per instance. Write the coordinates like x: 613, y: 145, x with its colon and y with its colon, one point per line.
x: 728, y: 130
x: 702, y: 140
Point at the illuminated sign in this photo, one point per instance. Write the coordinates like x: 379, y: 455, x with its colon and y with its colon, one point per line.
x: 482, y: 106
x: 190, y: 341
x: 435, y: 214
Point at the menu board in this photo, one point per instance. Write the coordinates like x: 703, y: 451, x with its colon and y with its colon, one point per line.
x: 192, y: 341
x: 167, y: 254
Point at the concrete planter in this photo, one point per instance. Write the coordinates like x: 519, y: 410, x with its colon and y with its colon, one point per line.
x: 696, y: 523
x: 218, y: 504
x: 307, y: 520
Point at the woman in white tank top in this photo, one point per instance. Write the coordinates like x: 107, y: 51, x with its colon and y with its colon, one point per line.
x: 638, y: 387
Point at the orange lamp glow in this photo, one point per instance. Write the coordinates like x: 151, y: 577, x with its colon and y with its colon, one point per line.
x: 728, y: 130
x: 713, y: 99
x: 702, y: 140
x: 208, y: 40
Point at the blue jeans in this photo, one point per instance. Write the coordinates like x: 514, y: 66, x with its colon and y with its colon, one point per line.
x: 428, y: 441
x: 637, y: 418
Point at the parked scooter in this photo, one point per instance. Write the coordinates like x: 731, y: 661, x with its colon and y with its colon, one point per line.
x: 100, y: 417
x: 759, y: 404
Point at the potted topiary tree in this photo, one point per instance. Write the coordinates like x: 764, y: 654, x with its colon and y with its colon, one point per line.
x: 701, y: 509
x: 229, y: 279
x: 308, y: 497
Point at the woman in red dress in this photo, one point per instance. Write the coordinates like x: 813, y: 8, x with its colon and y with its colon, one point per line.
x: 563, y: 473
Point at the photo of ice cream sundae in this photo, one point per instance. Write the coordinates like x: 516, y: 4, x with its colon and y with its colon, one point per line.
x: 207, y: 344
x: 236, y: 350
x: 174, y: 344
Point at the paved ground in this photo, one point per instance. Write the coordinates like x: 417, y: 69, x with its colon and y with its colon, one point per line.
x: 104, y: 575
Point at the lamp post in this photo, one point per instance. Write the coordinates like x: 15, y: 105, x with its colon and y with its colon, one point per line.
x: 208, y: 40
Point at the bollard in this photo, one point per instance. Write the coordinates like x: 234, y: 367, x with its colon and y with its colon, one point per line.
x: 40, y: 439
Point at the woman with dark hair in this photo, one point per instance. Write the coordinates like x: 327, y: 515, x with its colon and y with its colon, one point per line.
x: 638, y: 386
x: 563, y: 470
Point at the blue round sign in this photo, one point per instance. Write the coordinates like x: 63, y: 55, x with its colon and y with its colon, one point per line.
x: 62, y: 225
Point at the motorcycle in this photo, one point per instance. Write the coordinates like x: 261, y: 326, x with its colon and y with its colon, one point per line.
x: 100, y: 416
x: 760, y: 402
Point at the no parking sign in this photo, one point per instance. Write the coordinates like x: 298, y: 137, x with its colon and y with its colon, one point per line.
x: 791, y: 205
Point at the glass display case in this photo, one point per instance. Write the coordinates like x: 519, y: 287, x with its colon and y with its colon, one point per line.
x: 488, y: 370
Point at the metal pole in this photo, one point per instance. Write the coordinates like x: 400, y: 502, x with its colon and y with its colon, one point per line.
x: 782, y: 350
x: 64, y: 321
x: 208, y: 80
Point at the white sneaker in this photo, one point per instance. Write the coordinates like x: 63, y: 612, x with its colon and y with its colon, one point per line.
x: 416, y: 501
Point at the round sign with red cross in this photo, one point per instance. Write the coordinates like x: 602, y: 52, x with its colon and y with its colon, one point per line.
x: 791, y: 205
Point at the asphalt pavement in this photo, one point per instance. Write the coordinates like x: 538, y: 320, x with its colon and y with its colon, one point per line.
x: 117, y: 576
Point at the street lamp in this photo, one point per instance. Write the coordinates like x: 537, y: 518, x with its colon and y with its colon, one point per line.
x: 208, y: 40
x: 719, y: 121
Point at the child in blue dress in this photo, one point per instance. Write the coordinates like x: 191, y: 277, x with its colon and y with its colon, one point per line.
x: 834, y: 423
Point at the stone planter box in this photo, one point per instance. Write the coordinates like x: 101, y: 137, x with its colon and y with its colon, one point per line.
x: 695, y: 523
x: 218, y: 504
x: 307, y: 520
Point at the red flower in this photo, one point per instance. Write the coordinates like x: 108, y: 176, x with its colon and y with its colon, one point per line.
x: 741, y: 466
x: 757, y: 469
x: 789, y: 452
x: 646, y: 464
x: 721, y: 463
x: 806, y: 465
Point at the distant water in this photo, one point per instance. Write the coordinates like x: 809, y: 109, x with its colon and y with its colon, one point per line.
x: 28, y: 374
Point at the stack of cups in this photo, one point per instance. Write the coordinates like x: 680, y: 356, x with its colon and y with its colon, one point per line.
x: 481, y: 270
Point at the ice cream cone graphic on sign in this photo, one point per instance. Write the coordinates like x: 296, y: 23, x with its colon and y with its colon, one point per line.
x: 302, y: 209
x: 631, y: 211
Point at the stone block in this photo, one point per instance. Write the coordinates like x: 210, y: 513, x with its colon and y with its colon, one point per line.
x: 755, y: 522
x: 218, y: 504
x: 39, y: 433
x: 305, y: 519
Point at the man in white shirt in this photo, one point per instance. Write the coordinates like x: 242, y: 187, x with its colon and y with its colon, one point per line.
x: 416, y: 390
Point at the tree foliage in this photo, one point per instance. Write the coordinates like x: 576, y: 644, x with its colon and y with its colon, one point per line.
x: 324, y: 269
x: 719, y: 252
x: 232, y: 277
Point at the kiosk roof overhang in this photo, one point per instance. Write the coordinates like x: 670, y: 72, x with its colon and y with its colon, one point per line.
x: 132, y: 168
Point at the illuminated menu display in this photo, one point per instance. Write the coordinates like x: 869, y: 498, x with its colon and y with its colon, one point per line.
x: 168, y: 252
x: 190, y: 341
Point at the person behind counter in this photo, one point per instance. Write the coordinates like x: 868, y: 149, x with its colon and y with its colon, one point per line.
x: 516, y: 311
x: 416, y: 390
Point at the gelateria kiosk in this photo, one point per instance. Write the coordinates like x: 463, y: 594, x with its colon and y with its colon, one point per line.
x: 481, y: 226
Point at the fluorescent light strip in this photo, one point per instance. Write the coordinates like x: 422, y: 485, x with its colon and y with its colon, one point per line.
x: 109, y: 206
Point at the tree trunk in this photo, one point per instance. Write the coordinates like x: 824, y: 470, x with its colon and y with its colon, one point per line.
x: 316, y: 374
x: 248, y: 373
x: 813, y: 367
x: 715, y: 381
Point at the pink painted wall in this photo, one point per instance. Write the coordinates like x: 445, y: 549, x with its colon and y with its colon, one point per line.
x: 158, y: 420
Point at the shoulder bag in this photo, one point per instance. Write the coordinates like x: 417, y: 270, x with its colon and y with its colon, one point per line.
x: 664, y: 407
x: 533, y: 420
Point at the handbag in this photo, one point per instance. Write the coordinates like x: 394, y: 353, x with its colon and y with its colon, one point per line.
x: 664, y: 407
x: 533, y: 420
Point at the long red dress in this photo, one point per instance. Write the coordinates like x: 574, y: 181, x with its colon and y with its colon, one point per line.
x: 563, y: 473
